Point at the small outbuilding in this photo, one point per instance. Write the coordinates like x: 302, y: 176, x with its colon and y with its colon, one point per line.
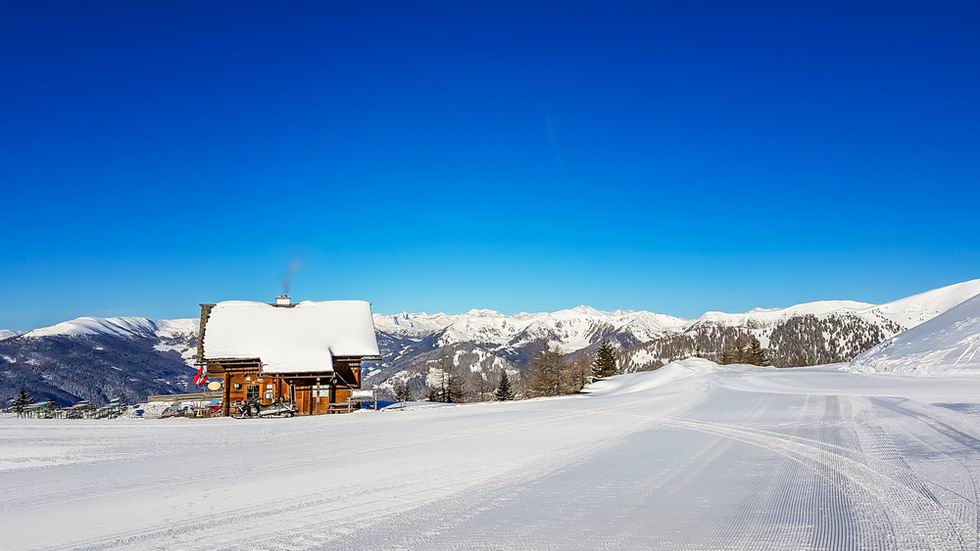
x: 308, y: 353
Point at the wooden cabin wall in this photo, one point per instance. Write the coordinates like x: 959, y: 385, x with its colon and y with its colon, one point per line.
x: 272, y: 387
x: 279, y: 387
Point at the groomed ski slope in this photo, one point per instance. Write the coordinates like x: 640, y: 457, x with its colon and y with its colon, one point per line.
x: 694, y: 456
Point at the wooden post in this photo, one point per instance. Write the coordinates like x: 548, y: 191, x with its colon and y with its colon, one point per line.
x: 226, y: 400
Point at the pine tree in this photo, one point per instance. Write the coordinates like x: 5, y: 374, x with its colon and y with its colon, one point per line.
x: 503, y: 393
x: 756, y: 355
x: 448, y: 389
x: 403, y: 392
x: 604, y: 364
x: 20, y: 403
x: 738, y: 351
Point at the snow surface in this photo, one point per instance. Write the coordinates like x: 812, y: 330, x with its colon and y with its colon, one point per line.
x: 7, y: 334
x: 948, y: 344
x: 303, y: 338
x: 911, y: 311
x: 693, y: 456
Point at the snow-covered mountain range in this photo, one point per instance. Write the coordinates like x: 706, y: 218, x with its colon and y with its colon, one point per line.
x: 484, y: 341
x: 579, y: 327
x: 98, y: 358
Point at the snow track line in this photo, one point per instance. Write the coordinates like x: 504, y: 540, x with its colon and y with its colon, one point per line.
x: 922, y: 522
x: 949, y: 432
x: 438, y: 522
x: 308, y: 526
x: 314, y: 500
x: 910, y: 506
x: 194, y: 476
x: 206, y: 523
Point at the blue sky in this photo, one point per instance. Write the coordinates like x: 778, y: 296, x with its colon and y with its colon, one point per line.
x: 677, y: 157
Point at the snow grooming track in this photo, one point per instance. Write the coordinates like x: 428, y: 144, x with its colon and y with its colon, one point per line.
x: 307, y: 531
x: 348, y: 508
x: 272, y: 468
x: 493, y: 492
x: 725, y: 458
x: 972, y: 501
x: 918, y: 520
x: 505, y: 508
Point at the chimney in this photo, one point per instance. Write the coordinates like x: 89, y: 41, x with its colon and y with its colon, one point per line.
x: 283, y: 300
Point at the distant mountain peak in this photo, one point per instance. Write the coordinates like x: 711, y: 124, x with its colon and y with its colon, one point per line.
x: 484, y: 313
x: 588, y: 310
x: 115, y: 326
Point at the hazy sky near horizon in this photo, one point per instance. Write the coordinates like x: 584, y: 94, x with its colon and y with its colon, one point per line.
x: 675, y: 157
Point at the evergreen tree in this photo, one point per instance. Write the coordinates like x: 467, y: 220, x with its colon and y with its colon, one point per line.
x: 503, y: 393
x: 746, y: 349
x: 448, y: 388
x: 403, y: 392
x: 20, y: 403
x: 738, y: 351
x: 756, y: 355
x: 604, y: 364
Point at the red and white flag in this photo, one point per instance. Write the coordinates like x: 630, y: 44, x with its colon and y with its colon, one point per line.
x: 202, y: 376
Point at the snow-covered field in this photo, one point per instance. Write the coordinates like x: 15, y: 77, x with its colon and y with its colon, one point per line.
x: 694, y: 456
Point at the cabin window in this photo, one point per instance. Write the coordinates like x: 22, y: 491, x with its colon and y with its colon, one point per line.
x: 238, y: 386
x: 253, y: 392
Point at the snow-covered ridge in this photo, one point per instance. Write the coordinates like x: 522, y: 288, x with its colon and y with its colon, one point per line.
x: 911, y: 311
x: 119, y: 327
x: 576, y: 328
x: 765, y: 316
x: 6, y: 334
x: 571, y: 329
x: 948, y: 344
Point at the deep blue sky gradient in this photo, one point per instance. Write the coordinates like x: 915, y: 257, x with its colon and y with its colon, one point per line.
x: 677, y: 157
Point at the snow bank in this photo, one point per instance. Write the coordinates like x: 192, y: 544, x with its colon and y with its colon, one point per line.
x: 647, y: 380
x: 303, y: 338
x: 948, y: 344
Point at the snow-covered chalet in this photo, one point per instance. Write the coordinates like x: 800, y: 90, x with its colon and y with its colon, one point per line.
x: 308, y: 353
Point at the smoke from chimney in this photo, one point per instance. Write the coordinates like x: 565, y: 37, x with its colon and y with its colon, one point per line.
x: 287, y: 277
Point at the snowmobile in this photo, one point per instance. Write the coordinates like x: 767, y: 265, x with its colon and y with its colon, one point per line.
x: 253, y: 408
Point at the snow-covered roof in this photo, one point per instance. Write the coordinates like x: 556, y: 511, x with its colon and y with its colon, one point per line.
x: 302, y: 338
